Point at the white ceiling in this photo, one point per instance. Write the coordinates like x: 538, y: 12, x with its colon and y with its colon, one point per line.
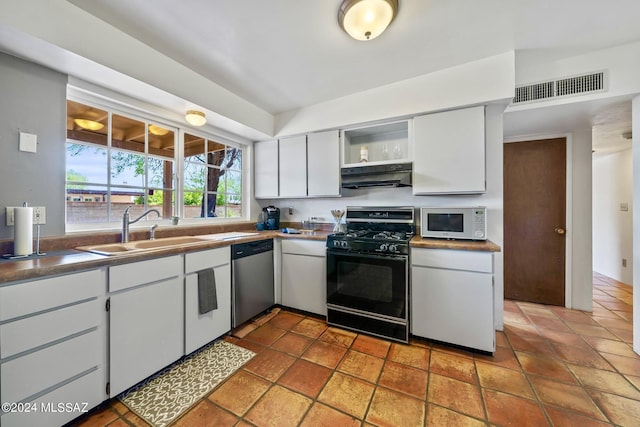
x: 282, y: 55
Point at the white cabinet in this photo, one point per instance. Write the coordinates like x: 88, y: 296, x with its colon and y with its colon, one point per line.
x: 146, y: 319
x: 53, y: 346
x: 384, y: 143
x: 452, y: 297
x: 293, y: 167
x: 266, y: 169
x: 323, y: 164
x: 201, y: 329
x: 449, y: 152
x: 304, y: 272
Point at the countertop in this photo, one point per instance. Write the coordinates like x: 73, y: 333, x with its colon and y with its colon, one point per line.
x: 70, y: 260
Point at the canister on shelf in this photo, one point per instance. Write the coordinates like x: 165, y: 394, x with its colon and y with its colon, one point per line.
x: 364, y: 153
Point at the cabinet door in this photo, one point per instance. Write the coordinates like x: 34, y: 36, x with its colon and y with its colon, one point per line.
x: 304, y: 283
x: 266, y: 169
x: 146, y: 331
x: 323, y: 163
x: 293, y: 166
x: 201, y: 329
x: 452, y: 306
x: 449, y: 152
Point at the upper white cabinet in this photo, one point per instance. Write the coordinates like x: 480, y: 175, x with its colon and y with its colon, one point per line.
x: 449, y: 152
x: 266, y: 169
x: 379, y: 144
x: 298, y: 167
x: 293, y: 167
x: 323, y: 164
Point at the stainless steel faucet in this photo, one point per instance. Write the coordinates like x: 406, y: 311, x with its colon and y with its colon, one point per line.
x: 126, y: 223
x: 152, y: 232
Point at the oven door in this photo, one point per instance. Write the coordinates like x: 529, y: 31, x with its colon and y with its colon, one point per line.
x: 371, y: 283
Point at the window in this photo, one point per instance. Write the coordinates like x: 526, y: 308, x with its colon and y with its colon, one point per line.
x: 115, y: 160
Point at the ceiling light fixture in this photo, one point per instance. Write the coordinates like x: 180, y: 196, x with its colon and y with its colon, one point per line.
x: 196, y: 118
x: 88, y: 124
x: 366, y: 19
x: 157, y: 130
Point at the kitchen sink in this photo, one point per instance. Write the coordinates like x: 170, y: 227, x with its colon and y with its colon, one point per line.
x: 227, y: 236
x: 141, y: 245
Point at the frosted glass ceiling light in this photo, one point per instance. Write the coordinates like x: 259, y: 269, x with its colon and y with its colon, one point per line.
x: 196, y: 118
x: 366, y: 19
x: 157, y: 130
x: 88, y: 124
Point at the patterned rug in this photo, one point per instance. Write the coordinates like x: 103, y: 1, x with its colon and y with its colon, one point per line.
x: 165, y: 396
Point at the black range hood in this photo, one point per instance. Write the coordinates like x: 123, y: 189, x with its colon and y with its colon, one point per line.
x: 386, y: 175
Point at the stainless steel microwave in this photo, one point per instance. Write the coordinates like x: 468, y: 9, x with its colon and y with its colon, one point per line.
x: 454, y: 223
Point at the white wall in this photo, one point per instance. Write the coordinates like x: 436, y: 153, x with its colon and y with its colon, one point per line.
x: 636, y: 221
x: 613, y: 228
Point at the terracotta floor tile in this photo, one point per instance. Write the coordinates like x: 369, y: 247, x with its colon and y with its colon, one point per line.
x: 505, y: 380
x: 545, y: 366
x: 338, y: 337
x: 537, y: 345
x: 265, y: 334
x: 620, y: 410
x: 625, y: 315
x: 439, y: 416
x: 279, y: 407
x: 250, y: 345
x: 574, y: 316
x: 361, y: 365
x: 270, y: 364
x: 409, y: 355
x: 538, y: 310
x: 205, y: 414
x: 323, y: 416
x: 511, y: 411
x: 390, y: 408
x: 502, y: 356
x: 565, y: 338
x: 547, y: 323
x: 310, y: 328
x: 324, y: 354
x: 118, y: 406
x: 599, y: 312
x: 238, y: 393
x: 450, y: 365
x: 305, y: 377
x: 526, y: 330
x: 348, y: 394
x: 617, y: 306
x: 293, y: 344
x: 625, y: 365
x: 563, y: 418
x: 634, y: 380
x: 99, y: 418
x: 501, y: 340
x: 457, y: 395
x: 565, y: 396
x: 285, y: 320
x: 512, y: 317
x: 135, y: 420
x: 582, y: 356
x: 591, y: 330
x: 605, y: 380
x: 118, y: 423
x: 615, y: 324
x: 622, y: 334
x: 370, y: 345
x: 405, y: 379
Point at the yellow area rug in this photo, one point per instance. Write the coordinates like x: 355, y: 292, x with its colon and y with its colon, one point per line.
x: 165, y: 396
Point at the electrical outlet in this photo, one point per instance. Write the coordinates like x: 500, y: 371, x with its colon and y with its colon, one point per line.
x: 9, y: 216
x: 39, y: 215
x: 624, y: 262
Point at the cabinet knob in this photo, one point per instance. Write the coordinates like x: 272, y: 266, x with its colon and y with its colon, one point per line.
x: 560, y: 231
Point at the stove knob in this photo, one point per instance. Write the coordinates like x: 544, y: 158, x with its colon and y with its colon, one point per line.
x: 345, y: 244
x: 384, y: 247
x: 393, y: 248
x: 336, y: 243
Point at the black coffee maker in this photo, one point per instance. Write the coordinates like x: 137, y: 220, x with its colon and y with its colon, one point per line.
x: 271, y: 218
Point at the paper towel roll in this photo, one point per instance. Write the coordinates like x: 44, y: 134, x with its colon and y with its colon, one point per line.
x: 23, y: 225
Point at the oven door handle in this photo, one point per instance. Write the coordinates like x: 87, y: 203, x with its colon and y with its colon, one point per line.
x: 367, y: 254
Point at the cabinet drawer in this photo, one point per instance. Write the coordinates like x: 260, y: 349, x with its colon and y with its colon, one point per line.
x: 30, y: 297
x: 195, y: 261
x: 138, y: 273
x: 32, y: 332
x: 454, y: 260
x: 87, y: 389
x: 30, y: 374
x: 304, y: 247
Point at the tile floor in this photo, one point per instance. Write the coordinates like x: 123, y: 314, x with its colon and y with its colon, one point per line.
x: 553, y: 366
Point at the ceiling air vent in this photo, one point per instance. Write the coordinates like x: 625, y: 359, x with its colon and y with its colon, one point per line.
x: 569, y: 86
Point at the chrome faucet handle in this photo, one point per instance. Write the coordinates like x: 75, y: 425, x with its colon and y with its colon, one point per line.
x: 152, y: 232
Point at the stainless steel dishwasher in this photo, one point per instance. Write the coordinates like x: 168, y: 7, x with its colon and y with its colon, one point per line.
x: 251, y: 279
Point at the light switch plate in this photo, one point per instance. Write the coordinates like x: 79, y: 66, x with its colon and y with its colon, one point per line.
x: 624, y: 207
x: 28, y: 142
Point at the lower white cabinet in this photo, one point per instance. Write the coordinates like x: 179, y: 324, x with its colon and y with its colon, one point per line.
x: 201, y: 329
x: 304, y: 275
x: 53, y: 344
x: 452, y: 297
x: 146, y: 319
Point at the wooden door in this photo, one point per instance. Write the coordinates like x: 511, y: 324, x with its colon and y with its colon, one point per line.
x: 534, y: 221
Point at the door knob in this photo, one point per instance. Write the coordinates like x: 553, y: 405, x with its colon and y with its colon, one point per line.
x: 559, y: 230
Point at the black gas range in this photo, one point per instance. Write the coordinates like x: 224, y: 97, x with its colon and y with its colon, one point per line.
x: 368, y: 272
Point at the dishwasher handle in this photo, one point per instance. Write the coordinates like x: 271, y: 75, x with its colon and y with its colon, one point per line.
x: 242, y: 250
